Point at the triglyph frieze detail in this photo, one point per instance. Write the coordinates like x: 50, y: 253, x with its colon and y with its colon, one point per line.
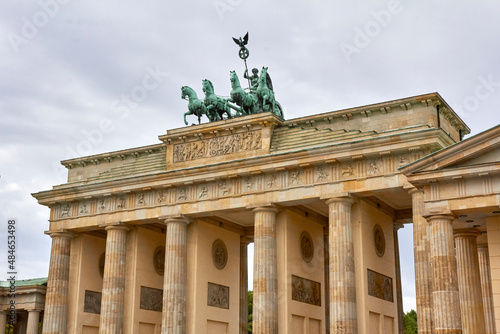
x: 237, y: 185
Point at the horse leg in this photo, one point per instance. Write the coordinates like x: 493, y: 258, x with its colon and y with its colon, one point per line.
x: 185, y: 114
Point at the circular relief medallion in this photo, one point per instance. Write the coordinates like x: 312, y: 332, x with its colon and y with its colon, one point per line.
x: 102, y: 258
x: 306, y: 246
x: 219, y: 254
x: 159, y: 260
x: 379, y: 238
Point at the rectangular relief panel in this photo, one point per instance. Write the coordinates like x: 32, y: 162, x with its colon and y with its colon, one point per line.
x: 306, y: 291
x: 145, y: 328
x: 218, y: 295
x: 388, y: 325
x: 314, y: 326
x: 217, y: 146
x: 380, y: 286
x: 92, y: 302
x: 298, y: 324
x: 151, y: 299
x: 217, y: 327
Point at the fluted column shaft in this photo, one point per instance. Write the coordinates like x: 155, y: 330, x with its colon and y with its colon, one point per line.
x: 113, y: 283
x: 421, y: 251
x: 399, y: 288
x: 327, y: 280
x: 469, y: 282
x: 3, y: 321
x: 175, y: 279
x: 243, y: 286
x: 265, y: 272
x: 56, y: 298
x: 33, y: 320
x: 486, y: 290
x: 445, y: 297
x: 342, y: 284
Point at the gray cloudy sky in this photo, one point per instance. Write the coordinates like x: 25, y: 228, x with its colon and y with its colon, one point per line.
x: 84, y: 77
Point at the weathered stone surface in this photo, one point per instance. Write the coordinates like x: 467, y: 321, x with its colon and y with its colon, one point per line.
x: 445, y: 297
x: 113, y: 286
x: 343, y: 313
x: 471, y: 301
x: 56, y: 300
x: 265, y: 280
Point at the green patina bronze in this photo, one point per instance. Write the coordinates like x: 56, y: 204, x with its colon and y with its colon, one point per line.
x: 259, y: 97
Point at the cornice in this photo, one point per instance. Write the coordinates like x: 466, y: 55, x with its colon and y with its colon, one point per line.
x: 110, y: 156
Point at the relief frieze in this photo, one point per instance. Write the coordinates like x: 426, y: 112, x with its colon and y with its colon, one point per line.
x: 92, y: 303
x: 151, y: 299
x: 218, y: 146
x: 380, y: 286
x: 218, y: 295
x: 306, y: 291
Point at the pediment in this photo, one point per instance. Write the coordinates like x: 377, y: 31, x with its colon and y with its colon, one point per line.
x: 482, y: 149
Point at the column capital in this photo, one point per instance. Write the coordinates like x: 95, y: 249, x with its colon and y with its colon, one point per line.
x: 265, y: 208
x: 119, y: 227
x: 245, y: 240
x: 413, y: 191
x: 482, y: 247
x: 469, y: 232
x: 347, y: 199
x: 60, y: 234
x: 433, y: 217
x: 175, y: 219
x: 397, y: 226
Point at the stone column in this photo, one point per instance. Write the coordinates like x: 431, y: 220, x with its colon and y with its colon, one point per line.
x: 56, y: 298
x: 469, y: 282
x: 265, y: 272
x: 33, y: 320
x: 3, y: 321
x: 244, y: 285
x: 486, y: 291
x: 327, y: 280
x: 421, y: 253
x: 399, y: 288
x: 342, y: 284
x: 113, y: 282
x: 445, y: 297
x: 175, y: 279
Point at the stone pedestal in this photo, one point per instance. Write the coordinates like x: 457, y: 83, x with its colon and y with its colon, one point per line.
x: 113, y: 283
x: 469, y: 282
x: 486, y: 291
x: 56, y: 299
x: 244, y: 285
x: 445, y: 297
x: 399, y: 288
x: 265, y: 272
x: 421, y: 250
x: 342, y: 284
x: 175, y: 279
x: 33, y: 320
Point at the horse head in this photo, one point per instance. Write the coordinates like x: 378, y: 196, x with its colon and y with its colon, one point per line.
x: 208, y: 87
x: 263, y: 76
x: 185, y: 91
x: 235, y: 81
